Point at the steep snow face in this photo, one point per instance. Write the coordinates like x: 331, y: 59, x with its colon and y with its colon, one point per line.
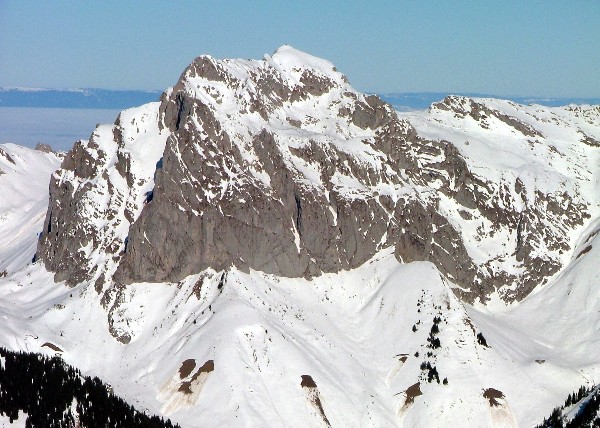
x: 280, y: 166
x: 24, y: 177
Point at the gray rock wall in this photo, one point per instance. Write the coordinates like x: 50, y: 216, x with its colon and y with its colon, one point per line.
x: 211, y: 206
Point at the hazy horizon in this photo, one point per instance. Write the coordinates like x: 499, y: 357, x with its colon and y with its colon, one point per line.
x: 58, y: 127
x: 535, y: 49
x: 61, y: 127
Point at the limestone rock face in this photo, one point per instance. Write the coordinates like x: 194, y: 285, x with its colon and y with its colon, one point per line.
x: 97, y: 193
x: 280, y: 166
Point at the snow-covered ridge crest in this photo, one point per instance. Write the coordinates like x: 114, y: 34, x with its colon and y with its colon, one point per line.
x: 279, y: 165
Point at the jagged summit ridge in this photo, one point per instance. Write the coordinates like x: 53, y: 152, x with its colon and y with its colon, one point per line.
x: 280, y: 166
x: 258, y: 128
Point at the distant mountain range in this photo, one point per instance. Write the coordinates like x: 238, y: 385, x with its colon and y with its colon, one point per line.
x: 75, y: 98
x: 92, y: 98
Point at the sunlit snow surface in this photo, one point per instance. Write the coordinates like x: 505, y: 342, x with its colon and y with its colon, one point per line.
x: 351, y: 332
x: 24, y: 176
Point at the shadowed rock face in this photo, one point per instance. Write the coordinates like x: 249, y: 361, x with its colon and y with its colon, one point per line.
x: 64, y: 231
x: 282, y: 167
x: 291, y: 227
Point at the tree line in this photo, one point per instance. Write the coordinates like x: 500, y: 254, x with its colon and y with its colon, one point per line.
x: 588, y: 414
x: 53, y: 394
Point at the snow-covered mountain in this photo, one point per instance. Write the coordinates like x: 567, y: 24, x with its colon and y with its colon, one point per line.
x: 268, y: 246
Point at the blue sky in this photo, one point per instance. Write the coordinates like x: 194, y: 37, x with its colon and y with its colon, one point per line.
x: 512, y: 48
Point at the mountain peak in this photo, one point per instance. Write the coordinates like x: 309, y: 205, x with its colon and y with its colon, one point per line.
x: 288, y: 57
x: 332, y: 176
x: 288, y: 75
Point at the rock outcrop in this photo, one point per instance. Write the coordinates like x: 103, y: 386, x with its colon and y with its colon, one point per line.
x: 279, y: 165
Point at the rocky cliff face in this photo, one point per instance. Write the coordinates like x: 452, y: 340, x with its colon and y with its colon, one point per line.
x: 280, y: 166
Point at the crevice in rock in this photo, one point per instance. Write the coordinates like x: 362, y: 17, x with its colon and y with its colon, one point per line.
x: 298, y: 213
x: 180, y: 109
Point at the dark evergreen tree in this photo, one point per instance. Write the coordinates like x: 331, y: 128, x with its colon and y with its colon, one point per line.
x: 45, y: 388
x: 588, y: 414
x: 481, y: 340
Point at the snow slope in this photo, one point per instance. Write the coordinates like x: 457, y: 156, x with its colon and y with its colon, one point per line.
x: 24, y: 176
x: 351, y: 332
